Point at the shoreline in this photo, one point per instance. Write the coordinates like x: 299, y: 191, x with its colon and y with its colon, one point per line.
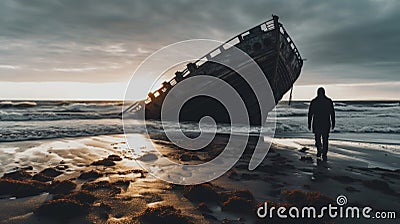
x: 357, y: 137
x: 292, y: 141
x: 305, y: 135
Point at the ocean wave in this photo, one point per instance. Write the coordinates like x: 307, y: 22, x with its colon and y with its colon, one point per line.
x: 18, y: 104
x: 292, y: 114
x: 295, y: 105
x: 300, y: 128
x: 394, y: 130
x: 387, y: 115
x: 387, y: 104
x: 292, y: 128
x: 38, y: 133
x: 60, y: 129
x: 340, y: 104
x: 51, y: 116
x: 58, y: 110
x: 351, y: 108
x: 25, y: 120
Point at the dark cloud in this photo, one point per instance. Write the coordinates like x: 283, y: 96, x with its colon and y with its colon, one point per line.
x: 98, y: 40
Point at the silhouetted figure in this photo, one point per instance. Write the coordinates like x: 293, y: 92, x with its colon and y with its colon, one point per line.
x: 321, y: 117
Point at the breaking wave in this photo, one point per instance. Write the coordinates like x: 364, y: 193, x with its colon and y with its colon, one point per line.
x: 27, y: 120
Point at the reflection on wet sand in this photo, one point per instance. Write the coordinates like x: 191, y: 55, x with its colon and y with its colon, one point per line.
x: 101, y: 178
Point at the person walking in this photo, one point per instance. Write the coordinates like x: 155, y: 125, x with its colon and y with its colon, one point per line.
x: 321, y: 118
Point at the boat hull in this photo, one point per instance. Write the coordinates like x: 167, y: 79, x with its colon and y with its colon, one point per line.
x: 273, y: 51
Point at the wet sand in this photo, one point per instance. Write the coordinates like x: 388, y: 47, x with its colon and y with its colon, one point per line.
x: 98, y: 180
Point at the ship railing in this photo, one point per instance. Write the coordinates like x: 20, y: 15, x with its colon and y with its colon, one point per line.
x: 134, y: 107
x: 265, y: 26
x: 290, y: 42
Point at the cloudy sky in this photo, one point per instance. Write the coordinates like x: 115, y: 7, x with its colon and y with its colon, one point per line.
x: 88, y: 49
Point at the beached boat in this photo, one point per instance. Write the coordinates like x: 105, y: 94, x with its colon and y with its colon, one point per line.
x: 268, y: 44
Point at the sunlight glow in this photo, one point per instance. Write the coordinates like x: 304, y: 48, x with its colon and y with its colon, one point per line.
x: 116, y: 91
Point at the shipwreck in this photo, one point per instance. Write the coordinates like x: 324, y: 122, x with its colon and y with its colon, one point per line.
x: 268, y: 44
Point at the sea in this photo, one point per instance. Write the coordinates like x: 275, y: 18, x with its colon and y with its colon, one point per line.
x: 364, y: 121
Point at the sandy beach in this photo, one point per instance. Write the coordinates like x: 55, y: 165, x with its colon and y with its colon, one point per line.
x: 209, y: 112
x: 98, y: 180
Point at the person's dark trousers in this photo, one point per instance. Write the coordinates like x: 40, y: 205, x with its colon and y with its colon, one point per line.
x: 322, y: 148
